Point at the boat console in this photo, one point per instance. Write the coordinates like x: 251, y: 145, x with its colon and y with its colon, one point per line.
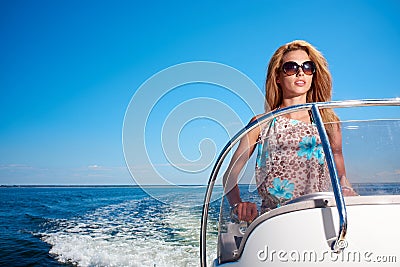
x: 325, y: 228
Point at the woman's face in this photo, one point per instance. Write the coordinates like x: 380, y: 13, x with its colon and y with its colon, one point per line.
x: 296, y: 85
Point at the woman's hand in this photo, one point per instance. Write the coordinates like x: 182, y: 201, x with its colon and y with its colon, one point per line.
x: 349, y: 191
x: 246, y: 211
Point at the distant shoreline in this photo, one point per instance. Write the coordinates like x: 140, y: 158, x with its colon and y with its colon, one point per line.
x: 97, y: 186
x: 368, y: 184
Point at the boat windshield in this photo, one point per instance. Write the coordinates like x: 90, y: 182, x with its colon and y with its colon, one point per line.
x: 286, y: 168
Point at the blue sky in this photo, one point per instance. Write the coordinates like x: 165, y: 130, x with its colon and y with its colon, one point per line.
x: 69, y: 70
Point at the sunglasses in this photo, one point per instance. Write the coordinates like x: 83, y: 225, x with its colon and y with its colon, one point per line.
x: 291, y: 67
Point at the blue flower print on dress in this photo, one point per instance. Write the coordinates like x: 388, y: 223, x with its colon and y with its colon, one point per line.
x: 319, y: 154
x: 262, y: 154
x: 282, y: 189
x: 308, y: 148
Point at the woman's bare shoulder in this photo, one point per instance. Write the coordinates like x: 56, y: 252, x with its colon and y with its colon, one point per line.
x: 255, y: 132
x: 257, y: 117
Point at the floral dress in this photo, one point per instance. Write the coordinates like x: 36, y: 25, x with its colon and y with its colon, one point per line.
x: 290, y: 162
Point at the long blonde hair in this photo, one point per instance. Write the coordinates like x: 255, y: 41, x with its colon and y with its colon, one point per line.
x: 321, y: 87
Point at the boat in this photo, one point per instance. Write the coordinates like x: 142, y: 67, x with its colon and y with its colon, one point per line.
x: 321, y: 228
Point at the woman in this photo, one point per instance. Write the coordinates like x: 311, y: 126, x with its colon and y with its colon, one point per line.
x: 290, y: 159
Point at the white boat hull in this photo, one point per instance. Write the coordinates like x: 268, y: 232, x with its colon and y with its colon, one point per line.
x: 304, y: 236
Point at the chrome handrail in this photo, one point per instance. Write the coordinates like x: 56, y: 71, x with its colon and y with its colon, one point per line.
x: 340, y: 242
x: 340, y: 204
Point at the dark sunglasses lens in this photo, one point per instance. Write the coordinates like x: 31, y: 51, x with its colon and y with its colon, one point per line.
x: 308, y: 67
x: 290, y: 68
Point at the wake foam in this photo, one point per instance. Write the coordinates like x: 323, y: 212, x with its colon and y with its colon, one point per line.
x: 133, y: 233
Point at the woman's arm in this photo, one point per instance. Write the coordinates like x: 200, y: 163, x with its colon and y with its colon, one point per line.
x: 335, y: 138
x: 246, y: 211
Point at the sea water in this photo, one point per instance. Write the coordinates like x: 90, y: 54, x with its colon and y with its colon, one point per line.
x: 111, y: 226
x: 102, y: 226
